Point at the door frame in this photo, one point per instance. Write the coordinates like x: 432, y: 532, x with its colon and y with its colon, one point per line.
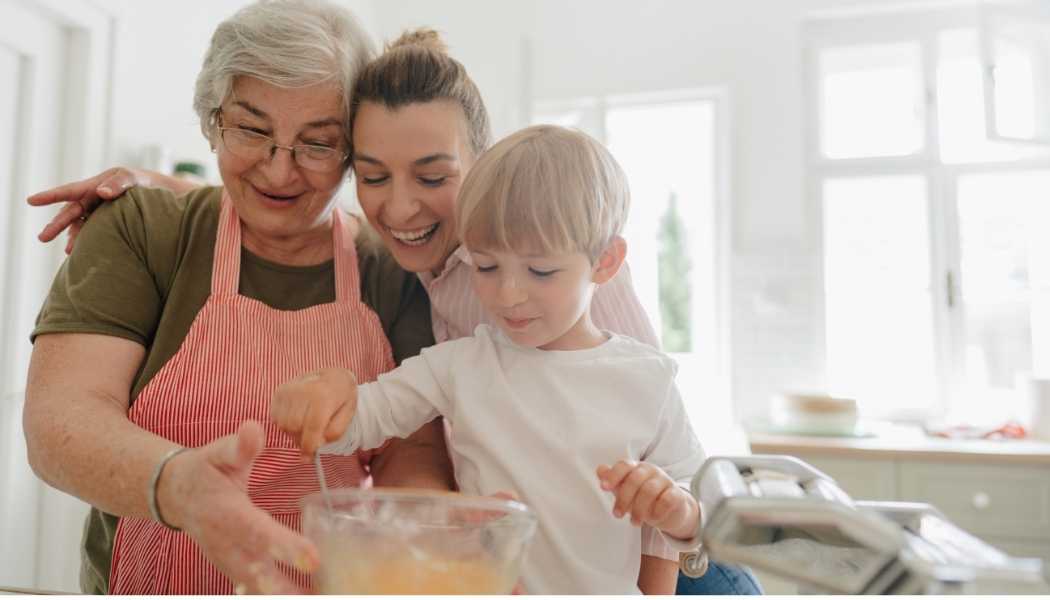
x: 86, y: 132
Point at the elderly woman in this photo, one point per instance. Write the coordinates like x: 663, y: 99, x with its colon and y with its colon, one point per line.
x: 173, y: 320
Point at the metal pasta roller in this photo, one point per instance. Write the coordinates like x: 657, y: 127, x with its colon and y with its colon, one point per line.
x: 781, y: 515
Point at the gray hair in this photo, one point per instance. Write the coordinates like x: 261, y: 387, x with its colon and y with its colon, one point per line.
x: 286, y: 43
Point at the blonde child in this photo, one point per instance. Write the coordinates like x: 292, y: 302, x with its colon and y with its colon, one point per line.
x: 543, y: 402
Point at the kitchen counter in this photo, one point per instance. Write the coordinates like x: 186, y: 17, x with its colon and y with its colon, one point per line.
x: 894, y: 442
x: 16, y: 591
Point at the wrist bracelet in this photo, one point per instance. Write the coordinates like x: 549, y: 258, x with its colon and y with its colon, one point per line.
x: 151, y: 492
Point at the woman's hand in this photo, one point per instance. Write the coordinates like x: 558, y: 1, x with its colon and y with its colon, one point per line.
x: 650, y: 496
x: 82, y: 197
x: 204, y: 492
x: 315, y: 408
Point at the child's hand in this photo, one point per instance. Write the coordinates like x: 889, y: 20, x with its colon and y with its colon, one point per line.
x: 315, y: 408
x: 651, y: 497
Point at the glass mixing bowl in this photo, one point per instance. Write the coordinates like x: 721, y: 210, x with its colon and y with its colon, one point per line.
x: 385, y: 541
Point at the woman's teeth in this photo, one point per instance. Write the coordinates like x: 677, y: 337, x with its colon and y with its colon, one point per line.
x: 416, y: 237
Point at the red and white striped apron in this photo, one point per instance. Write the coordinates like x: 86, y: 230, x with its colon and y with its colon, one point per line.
x: 236, y: 353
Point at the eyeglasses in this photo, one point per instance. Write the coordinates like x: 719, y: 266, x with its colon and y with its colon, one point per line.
x: 254, y: 146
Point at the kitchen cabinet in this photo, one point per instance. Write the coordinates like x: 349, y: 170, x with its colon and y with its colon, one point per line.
x: 996, y: 490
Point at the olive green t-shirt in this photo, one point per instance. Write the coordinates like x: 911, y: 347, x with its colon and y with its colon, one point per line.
x: 141, y: 270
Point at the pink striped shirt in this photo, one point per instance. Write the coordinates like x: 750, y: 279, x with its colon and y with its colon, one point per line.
x: 455, y: 311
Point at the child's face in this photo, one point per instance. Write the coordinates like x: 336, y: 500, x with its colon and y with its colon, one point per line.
x: 538, y: 300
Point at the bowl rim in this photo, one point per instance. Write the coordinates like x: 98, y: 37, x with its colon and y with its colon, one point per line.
x: 516, y: 508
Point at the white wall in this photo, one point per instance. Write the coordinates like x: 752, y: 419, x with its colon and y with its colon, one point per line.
x: 159, y: 49
x: 595, y: 47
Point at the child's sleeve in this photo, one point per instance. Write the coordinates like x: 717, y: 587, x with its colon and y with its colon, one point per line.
x: 399, y: 402
x: 677, y: 451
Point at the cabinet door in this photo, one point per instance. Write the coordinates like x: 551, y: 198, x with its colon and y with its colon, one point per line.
x: 999, y: 501
x: 861, y: 479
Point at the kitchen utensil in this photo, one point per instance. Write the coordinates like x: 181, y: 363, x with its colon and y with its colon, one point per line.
x: 324, y: 486
x: 781, y: 515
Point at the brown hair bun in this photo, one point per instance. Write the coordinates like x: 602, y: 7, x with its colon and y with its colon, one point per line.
x: 423, y: 37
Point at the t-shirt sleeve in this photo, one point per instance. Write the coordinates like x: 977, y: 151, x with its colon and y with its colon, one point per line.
x: 616, y: 308
x: 107, y: 285
x: 399, y: 402
x: 677, y: 451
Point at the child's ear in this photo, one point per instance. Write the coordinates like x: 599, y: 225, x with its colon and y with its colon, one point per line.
x: 610, y: 260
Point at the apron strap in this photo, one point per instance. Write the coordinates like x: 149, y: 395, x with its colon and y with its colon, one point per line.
x: 226, y: 262
x: 347, y: 278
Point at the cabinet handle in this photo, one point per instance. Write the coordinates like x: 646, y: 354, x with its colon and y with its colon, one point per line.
x: 981, y: 500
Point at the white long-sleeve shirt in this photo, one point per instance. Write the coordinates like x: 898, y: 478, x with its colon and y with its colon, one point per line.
x: 455, y: 311
x: 539, y: 423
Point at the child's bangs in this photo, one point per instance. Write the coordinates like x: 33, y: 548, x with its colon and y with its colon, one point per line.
x: 524, y: 209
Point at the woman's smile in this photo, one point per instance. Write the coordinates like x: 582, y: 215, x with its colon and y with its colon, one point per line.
x: 274, y: 199
x: 414, y: 237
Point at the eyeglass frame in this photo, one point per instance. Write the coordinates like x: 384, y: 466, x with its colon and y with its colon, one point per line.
x: 344, y: 157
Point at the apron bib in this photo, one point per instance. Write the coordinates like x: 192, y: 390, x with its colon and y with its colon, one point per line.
x: 236, y: 353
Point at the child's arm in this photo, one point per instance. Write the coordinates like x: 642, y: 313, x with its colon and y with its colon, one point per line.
x: 657, y: 576
x: 329, y: 406
x: 650, y: 496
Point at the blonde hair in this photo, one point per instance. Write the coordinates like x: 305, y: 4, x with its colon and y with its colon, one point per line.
x: 547, y: 189
x: 286, y: 43
x: 416, y: 67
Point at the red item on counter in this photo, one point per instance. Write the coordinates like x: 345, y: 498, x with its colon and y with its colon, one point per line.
x: 1011, y: 430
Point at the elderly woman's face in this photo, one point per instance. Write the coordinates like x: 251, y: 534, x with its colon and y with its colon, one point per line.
x: 409, y: 164
x: 275, y: 197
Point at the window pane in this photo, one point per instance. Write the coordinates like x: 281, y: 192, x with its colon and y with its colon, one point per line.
x: 871, y: 100
x: 960, y: 105
x: 1005, y: 260
x: 1015, y: 112
x: 1020, y: 52
x: 671, y: 250
x: 879, y: 317
x: 683, y: 173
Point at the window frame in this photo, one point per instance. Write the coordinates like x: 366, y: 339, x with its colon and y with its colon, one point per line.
x: 844, y: 29
x: 719, y: 98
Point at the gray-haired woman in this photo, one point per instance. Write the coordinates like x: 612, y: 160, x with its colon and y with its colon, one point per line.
x: 174, y: 318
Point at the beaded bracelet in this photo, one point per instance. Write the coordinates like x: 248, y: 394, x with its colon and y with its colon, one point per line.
x: 151, y: 494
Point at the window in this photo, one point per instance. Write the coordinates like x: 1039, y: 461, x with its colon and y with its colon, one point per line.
x: 677, y: 224
x: 936, y: 278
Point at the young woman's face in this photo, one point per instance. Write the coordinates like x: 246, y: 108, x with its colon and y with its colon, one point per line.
x: 409, y: 164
